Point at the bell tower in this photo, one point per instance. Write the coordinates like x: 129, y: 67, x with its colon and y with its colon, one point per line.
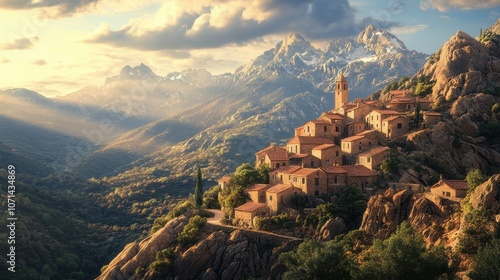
x: 341, y: 91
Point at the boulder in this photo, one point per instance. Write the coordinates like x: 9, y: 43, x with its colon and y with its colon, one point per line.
x: 486, y: 195
x: 332, y: 228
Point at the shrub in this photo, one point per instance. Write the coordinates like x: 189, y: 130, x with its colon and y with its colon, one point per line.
x: 474, y: 178
x: 191, y: 230
x: 476, y: 233
x: 486, y: 263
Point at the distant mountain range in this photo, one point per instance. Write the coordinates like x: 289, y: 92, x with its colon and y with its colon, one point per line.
x: 172, y: 122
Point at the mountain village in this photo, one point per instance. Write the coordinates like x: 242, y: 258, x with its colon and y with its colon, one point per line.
x: 343, y: 147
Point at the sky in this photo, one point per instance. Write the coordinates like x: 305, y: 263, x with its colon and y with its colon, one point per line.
x: 56, y: 47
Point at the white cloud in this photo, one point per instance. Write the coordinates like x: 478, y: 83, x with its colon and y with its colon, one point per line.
x: 444, y: 5
x: 405, y: 30
x: 20, y: 44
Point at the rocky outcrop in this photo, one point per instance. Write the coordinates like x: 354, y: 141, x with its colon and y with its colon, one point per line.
x: 426, y: 212
x: 332, y: 228
x: 230, y: 256
x: 487, y: 195
x: 455, y: 146
x: 141, y: 254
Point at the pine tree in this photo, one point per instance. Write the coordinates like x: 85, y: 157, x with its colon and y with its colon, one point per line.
x: 198, y: 191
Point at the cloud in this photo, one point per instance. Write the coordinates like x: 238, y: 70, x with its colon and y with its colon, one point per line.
x: 5, y: 60
x: 56, y: 8
x: 20, y: 44
x: 184, y: 25
x: 444, y: 5
x: 406, y: 30
x: 40, y: 62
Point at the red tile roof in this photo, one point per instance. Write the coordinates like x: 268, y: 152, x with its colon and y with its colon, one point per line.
x: 310, y: 140
x: 333, y: 116
x: 258, y: 187
x: 319, y: 122
x: 352, y: 138
x: 274, y: 153
x: 324, y: 146
x: 390, y: 119
x: 305, y: 171
x: 287, y: 169
x: 250, y: 207
x: 292, y: 156
x: 333, y: 169
x: 374, y: 151
x: 358, y: 171
x: 279, y: 188
x: 456, y: 184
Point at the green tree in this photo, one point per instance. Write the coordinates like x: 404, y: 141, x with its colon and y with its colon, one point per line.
x: 486, y: 263
x: 232, y: 197
x: 246, y: 175
x: 475, y: 178
x: 191, y: 230
x: 318, y: 260
x: 403, y: 256
x: 198, y: 192
x: 476, y: 231
x: 416, y: 121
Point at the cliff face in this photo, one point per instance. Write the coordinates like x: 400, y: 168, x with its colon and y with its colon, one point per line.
x: 426, y: 212
x: 222, y: 253
x: 463, y: 65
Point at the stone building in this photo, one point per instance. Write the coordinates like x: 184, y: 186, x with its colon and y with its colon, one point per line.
x: 245, y: 213
x: 305, y: 145
x: 328, y: 154
x: 450, y: 189
x: 373, y: 158
x: 431, y: 119
x: 224, y: 181
x: 273, y: 156
x: 257, y: 192
x: 395, y: 126
x: 374, y: 118
x: 341, y: 91
x: 279, y: 195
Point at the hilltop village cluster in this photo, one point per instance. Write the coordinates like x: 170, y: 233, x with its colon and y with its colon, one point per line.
x: 343, y: 147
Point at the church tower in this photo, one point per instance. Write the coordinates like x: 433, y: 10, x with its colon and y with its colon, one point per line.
x: 341, y: 91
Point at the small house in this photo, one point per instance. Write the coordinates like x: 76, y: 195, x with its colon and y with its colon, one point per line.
x: 395, y: 126
x: 373, y: 158
x: 304, y: 144
x: 224, y: 181
x: 245, y: 213
x: 328, y: 154
x: 431, y: 119
x: 257, y: 192
x: 451, y: 189
x: 273, y: 156
x: 279, y: 195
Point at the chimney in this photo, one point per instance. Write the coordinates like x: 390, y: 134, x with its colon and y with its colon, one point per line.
x: 440, y: 177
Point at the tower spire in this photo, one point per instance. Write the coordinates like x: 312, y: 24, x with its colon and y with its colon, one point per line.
x: 341, y: 91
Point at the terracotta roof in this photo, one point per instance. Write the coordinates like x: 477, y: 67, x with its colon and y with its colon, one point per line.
x: 250, y: 207
x: 370, y: 102
x: 433, y: 114
x: 364, y: 133
x: 305, y: 171
x: 333, y: 169
x: 374, y: 151
x: 319, y: 122
x: 352, y: 138
x: 279, y: 188
x: 358, y: 171
x: 292, y: 156
x: 274, y: 153
x: 333, y: 116
x: 357, y: 107
x: 358, y: 122
x: 390, y: 119
x: 324, y: 146
x: 287, y: 169
x: 456, y: 184
x: 403, y: 100
x: 310, y: 140
x: 225, y: 179
x: 386, y: 112
x: 258, y: 187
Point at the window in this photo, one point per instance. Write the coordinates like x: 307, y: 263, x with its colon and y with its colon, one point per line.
x: 336, y: 153
x: 277, y: 165
x: 324, y: 128
x: 295, y: 179
x: 312, y: 163
x: 289, y: 177
x: 338, y: 86
x: 316, y: 181
x: 270, y: 198
x: 345, y: 86
x: 377, y: 118
x: 327, y: 162
x: 448, y: 194
x: 400, y: 125
x: 336, y: 129
x: 360, y: 148
x: 368, y: 159
x: 303, y: 180
x: 335, y: 180
x: 372, y: 118
x: 281, y: 178
x: 284, y: 164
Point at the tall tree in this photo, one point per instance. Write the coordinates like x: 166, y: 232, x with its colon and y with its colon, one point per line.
x: 198, y: 191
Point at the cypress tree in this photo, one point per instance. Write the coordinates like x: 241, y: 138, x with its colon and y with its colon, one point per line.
x: 198, y: 191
